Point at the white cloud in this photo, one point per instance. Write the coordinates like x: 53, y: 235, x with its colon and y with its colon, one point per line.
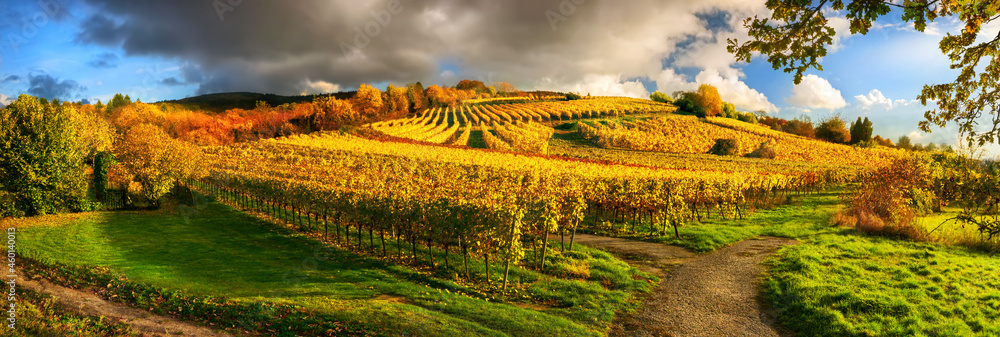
x: 670, y: 81
x: 816, y: 92
x: 319, y: 87
x: 603, y: 85
x: 5, y: 100
x: 873, y: 98
x: 842, y: 27
x: 731, y: 88
x: 735, y: 91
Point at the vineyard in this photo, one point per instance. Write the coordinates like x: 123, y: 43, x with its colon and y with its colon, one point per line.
x: 514, y: 99
x: 689, y: 135
x: 488, y: 205
x: 835, y: 173
x: 515, y: 123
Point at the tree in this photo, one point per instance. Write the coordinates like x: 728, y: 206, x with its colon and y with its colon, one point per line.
x: 573, y: 96
x: 415, y: 93
x: 155, y: 161
x: 117, y: 102
x: 660, y: 97
x: 440, y: 97
x: 883, y: 141
x: 688, y: 102
x: 708, y: 98
x: 368, y: 101
x: 796, y: 35
x: 476, y: 86
x: 861, y: 131
x: 904, y: 143
x: 729, y: 111
x: 833, y: 130
x: 801, y: 126
x: 396, y: 100
x: 504, y: 88
x: 41, y: 158
x: 102, y: 163
x: 747, y: 118
x: 330, y: 113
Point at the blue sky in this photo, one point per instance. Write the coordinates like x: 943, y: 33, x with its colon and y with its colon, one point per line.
x: 91, y: 49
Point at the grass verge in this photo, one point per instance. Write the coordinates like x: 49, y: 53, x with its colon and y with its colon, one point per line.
x: 848, y: 284
x: 39, y: 315
x: 218, y: 252
x: 807, y: 215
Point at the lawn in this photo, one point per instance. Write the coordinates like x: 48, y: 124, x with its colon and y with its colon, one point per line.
x: 849, y: 284
x: 805, y: 216
x: 219, y: 251
x: 836, y: 282
x: 840, y: 282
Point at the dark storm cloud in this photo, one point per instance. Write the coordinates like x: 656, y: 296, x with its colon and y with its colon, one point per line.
x: 50, y: 87
x: 11, y: 78
x: 281, y: 46
x: 171, y: 81
x: 99, y: 29
x: 104, y: 60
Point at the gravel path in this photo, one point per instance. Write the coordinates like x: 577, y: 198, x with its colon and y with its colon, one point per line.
x: 709, y: 295
x: 140, y: 320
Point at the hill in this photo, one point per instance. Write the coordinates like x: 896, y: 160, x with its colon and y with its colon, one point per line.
x: 245, y: 100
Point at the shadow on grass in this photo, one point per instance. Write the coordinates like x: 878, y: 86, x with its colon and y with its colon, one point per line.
x: 217, y: 250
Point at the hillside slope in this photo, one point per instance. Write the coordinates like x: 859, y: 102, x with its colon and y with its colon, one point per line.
x: 691, y: 135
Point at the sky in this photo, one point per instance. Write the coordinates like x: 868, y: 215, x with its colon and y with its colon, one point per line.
x: 88, y: 50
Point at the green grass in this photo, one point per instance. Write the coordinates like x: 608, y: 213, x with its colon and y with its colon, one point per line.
x: 840, y: 282
x: 807, y: 215
x: 941, y: 227
x: 846, y: 284
x: 219, y: 251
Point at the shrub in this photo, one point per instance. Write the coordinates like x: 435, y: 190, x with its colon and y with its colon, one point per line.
x: 894, y: 195
x: 833, y: 130
x: 724, y: 147
x: 729, y: 111
x: 801, y: 127
x: 102, y: 162
x: 660, y: 97
x: 687, y: 103
x: 573, y: 96
x: 766, y: 150
x: 747, y: 118
x: 904, y: 143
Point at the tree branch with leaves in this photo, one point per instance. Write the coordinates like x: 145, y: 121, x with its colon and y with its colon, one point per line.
x: 796, y: 36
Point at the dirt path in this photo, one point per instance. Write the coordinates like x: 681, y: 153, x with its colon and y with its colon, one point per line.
x: 141, y: 321
x: 646, y: 256
x: 709, y: 295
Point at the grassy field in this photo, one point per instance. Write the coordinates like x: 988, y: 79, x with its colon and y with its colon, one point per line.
x: 807, y: 215
x: 840, y: 282
x: 847, y: 284
x: 219, y: 251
